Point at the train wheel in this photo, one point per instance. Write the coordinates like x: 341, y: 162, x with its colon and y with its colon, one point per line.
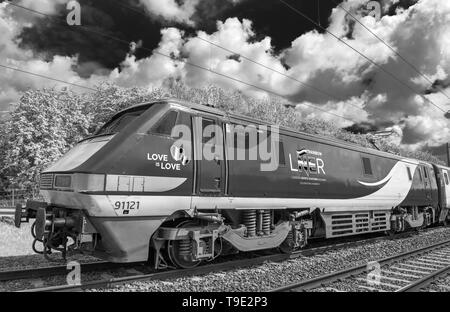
x: 180, y: 251
x: 288, y: 246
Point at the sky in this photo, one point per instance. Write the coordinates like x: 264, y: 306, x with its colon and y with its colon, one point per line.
x: 305, y: 50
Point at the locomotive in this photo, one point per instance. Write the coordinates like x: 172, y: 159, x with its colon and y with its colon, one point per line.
x: 177, y: 183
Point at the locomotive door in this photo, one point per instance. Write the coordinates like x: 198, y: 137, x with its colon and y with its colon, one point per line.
x: 442, y: 177
x: 210, y: 156
x: 446, y: 188
x: 427, y: 182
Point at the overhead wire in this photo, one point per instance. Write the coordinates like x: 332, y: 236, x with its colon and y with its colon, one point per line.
x: 46, y: 77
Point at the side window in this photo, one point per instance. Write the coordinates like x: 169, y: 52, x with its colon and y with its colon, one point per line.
x: 446, y: 177
x: 420, y: 174
x: 120, y: 122
x: 166, y: 124
x: 184, y: 119
x: 409, y: 173
x: 367, y: 167
x: 425, y: 172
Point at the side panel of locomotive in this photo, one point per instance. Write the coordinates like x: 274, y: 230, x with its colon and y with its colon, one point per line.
x: 357, y: 188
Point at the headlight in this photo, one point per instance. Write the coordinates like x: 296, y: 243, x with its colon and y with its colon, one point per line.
x: 78, y: 182
x: 63, y: 181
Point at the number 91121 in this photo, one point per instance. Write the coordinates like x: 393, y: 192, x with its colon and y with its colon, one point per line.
x: 126, y: 205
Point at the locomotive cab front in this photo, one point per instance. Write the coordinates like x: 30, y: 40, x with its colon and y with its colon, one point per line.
x: 96, y: 197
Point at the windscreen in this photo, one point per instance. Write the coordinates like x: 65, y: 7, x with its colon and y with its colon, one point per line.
x: 118, y: 122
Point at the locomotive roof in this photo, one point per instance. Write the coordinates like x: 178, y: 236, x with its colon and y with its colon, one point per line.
x: 284, y: 130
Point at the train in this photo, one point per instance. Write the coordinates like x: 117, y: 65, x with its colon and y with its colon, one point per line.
x: 177, y: 184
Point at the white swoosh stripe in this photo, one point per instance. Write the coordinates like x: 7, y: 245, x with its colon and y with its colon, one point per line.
x: 379, y: 182
x: 389, y: 176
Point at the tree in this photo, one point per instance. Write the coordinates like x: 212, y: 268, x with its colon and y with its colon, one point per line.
x: 44, y: 125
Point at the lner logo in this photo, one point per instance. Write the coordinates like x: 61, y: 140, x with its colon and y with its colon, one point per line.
x: 308, y: 162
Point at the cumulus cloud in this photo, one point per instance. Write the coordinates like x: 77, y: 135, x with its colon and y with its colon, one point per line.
x: 235, y: 36
x: 44, y: 6
x: 419, y: 33
x: 152, y: 71
x: 12, y: 55
x: 178, y: 11
x: 171, y: 10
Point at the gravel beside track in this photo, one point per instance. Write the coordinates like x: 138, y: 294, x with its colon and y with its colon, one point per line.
x: 441, y: 285
x: 276, y: 274
x: 37, y: 261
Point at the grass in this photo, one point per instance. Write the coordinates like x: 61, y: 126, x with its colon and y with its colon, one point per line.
x: 14, y: 241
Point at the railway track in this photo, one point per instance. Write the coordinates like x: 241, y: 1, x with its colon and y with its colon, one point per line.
x: 137, y: 276
x: 204, y: 269
x: 57, y: 270
x: 409, y: 271
x: 137, y: 272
